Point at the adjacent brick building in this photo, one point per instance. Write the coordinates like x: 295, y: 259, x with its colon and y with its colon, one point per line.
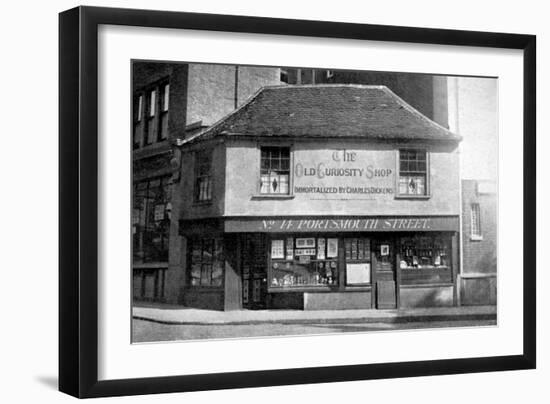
x: 173, y: 101
x: 478, y: 281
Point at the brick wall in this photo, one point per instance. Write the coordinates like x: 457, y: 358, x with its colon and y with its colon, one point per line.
x: 479, y: 256
x: 478, y: 281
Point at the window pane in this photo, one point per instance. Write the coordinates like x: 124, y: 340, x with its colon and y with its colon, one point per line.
x: 166, y: 97
x: 139, y: 108
x: 274, y: 170
x: 152, y: 101
x: 285, y: 164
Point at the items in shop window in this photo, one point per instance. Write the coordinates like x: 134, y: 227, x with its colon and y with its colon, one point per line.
x: 289, y: 248
x: 159, y: 212
x: 277, y: 249
x: 320, y: 248
x: 305, y: 251
x: 305, y: 242
x: 360, y: 249
x: 332, y: 247
x: 304, y: 259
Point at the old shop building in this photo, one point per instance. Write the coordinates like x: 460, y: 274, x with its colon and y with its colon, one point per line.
x: 319, y: 197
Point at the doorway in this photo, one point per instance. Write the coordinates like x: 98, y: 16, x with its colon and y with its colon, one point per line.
x: 384, y: 274
x: 254, y: 271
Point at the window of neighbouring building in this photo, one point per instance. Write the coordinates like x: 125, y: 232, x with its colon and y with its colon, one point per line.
x: 203, y: 176
x: 476, y: 221
x: 150, y: 114
x: 206, y: 259
x: 138, y: 115
x: 151, y: 219
x: 298, y: 262
x: 275, y: 170
x: 164, y: 104
x: 413, y: 169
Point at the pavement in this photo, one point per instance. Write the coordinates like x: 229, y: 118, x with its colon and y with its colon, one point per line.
x: 179, y: 315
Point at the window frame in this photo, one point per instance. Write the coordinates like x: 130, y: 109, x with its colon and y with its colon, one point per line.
x: 163, y: 109
x: 427, y: 194
x: 145, y: 117
x: 196, y: 190
x: 202, y: 241
x: 473, y: 235
x: 137, y: 120
x: 290, y: 193
x: 142, y: 190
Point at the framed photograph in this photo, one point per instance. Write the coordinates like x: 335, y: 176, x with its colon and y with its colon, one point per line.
x: 396, y: 163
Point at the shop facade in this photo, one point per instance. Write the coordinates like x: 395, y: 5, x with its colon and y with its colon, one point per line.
x: 320, y: 197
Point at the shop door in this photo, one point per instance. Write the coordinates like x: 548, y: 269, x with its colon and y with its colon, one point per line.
x: 254, y: 271
x: 384, y: 274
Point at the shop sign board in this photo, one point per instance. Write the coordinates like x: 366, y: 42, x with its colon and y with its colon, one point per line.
x: 345, y: 224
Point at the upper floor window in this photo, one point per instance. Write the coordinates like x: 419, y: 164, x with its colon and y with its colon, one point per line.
x: 203, y: 176
x: 138, y: 115
x: 476, y: 221
x: 413, y: 172
x: 151, y: 114
x: 151, y: 121
x: 275, y: 170
x: 164, y: 102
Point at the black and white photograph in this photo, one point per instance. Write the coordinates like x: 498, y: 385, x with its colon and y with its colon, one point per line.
x: 272, y: 201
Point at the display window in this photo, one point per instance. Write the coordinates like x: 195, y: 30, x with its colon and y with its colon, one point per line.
x: 297, y: 262
x: 206, y: 259
x: 426, y: 258
x: 358, y: 261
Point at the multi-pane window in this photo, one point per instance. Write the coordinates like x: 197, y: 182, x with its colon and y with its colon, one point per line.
x: 275, y: 170
x: 412, y: 172
x: 303, y: 262
x: 151, y: 220
x: 164, y: 102
x: 138, y: 115
x: 206, y: 256
x: 203, y: 176
x: 151, y: 112
x: 476, y: 220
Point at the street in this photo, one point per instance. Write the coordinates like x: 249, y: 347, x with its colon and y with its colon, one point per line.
x: 149, y: 331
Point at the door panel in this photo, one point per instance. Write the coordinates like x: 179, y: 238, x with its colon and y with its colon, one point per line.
x: 254, y: 273
x: 384, y: 268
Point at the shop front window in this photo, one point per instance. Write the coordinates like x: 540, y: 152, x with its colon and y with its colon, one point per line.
x: 275, y: 171
x: 358, y: 261
x: 426, y: 258
x: 303, y: 262
x: 412, y: 173
x: 151, y: 219
x: 206, y: 259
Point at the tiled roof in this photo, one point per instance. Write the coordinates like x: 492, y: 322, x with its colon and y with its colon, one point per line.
x: 334, y: 111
